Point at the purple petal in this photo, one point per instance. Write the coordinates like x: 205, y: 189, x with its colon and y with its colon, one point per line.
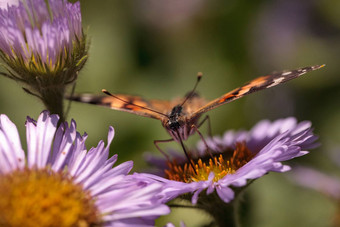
x: 12, y: 155
x: 225, y: 193
x: 39, y: 139
x: 63, y: 145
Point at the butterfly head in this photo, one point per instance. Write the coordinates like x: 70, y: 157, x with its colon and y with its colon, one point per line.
x: 174, y: 121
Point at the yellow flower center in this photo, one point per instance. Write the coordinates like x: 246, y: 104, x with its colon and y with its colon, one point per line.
x: 222, y: 164
x: 44, y: 198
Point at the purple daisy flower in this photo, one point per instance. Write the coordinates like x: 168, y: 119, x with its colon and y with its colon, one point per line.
x: 43, y: 46
x: 234, y: 159
x: 42, y: 34
x: 60, y: 183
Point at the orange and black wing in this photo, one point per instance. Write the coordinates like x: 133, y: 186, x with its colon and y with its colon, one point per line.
x: 128, y: 103
x: 257, y: 84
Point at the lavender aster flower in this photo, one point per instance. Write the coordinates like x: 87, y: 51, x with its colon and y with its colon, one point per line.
x: 238, y: 157
x: 59, y: 183
x: 43, y: 46
x: 217, y: 175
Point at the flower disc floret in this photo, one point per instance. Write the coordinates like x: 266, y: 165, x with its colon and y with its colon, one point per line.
x: 220, y: 165
x: 42, y: 196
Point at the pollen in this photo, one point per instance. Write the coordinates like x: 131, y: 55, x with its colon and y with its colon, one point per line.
x: 227, y: 162
x: 44, y: 198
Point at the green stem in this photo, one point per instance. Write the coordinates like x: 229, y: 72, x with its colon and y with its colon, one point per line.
x: 53, y: 101
x: 224, y: 214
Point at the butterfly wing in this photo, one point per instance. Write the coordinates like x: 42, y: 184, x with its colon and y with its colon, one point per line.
x: 256, y: 85
x: 156, y: 109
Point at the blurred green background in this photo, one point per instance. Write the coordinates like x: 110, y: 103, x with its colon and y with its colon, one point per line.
x: 155, y: 49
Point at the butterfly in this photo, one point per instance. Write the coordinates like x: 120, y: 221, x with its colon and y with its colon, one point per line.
x: 181, y: 116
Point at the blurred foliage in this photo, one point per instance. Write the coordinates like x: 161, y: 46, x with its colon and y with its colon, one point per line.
x: 155, y: 49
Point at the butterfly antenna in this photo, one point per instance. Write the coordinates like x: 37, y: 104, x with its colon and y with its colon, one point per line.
x: 130, y: 103
x: 199, y: 76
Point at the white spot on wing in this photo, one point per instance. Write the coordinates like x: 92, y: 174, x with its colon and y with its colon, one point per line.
x: 286, y: 73
x: 86, y: 98
x: 302, y: 71
x: 277, y: 81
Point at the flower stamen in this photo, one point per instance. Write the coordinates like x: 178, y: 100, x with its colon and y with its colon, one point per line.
x: 221, y: 164
x: 30, y: 197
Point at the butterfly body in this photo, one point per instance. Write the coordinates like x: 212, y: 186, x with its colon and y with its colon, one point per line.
x: 179, y: 123
x: 180, y: 117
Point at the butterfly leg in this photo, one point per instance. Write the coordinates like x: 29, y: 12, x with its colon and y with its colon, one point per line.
x: 160, y: 150
x: 202, y: 138
x: 207, y: 118
x: 183, y: 147
x: 185, y: 152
